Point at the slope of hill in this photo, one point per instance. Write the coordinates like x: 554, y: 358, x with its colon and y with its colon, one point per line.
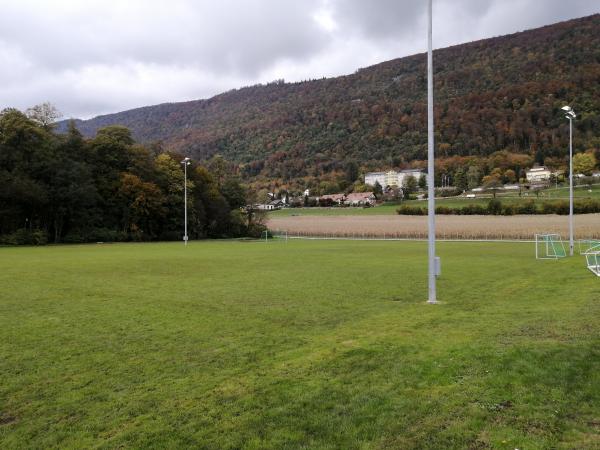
x: 503, y: 93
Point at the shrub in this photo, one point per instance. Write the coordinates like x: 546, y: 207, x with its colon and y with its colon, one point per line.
x: 473, y: 209
x: 23, y: 236
x: 527, y: 207
x: 408, y: 210
x: 444, y: 210
x: 256, y: 230
x: 74, y: 237
x: 105, y: 235
x: 494, y: 207
x: 586, y: 207
x: 508, y: 210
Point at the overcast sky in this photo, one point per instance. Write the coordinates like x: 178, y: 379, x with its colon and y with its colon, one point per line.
x: 92, y: 57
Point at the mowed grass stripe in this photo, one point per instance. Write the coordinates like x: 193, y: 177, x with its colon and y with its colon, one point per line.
x: 299, y: 345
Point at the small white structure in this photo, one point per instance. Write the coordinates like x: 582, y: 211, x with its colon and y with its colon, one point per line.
x: 277, y: 203
x: 306, y: 193
x: 538, y: 175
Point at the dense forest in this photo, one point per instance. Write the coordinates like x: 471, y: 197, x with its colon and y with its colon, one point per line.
x: 495, y: 98
x: 66, y: 188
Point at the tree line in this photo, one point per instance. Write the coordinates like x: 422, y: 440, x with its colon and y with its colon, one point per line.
x: 62, y: 187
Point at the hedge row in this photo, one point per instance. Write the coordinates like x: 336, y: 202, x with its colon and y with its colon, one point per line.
x: 495, y: 207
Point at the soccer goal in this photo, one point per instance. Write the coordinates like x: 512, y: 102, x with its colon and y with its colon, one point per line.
x: 549, y: 246
x: 592, y: 260
x: 274, y: 236
x: 588, y: 245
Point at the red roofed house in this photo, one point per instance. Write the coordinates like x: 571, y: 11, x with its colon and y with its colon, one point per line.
x: 360, y: 198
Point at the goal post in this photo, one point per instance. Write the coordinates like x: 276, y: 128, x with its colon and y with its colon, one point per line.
x: 592, y: 260
x: 588, y: 245
x: 549, y: 246
x: 274, y: 236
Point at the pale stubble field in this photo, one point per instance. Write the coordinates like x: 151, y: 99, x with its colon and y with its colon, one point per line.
x: 448, y: 226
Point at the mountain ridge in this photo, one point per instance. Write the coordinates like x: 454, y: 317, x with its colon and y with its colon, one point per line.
x: 494, y: 94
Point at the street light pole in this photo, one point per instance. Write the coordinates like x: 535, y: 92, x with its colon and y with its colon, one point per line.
x: 186, y: 162
x: 570, y: 114
x: 430, y: 161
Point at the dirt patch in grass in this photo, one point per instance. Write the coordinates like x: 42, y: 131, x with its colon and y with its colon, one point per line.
x: 7, y: 419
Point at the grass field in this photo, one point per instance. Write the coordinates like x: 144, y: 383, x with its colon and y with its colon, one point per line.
x: 310, y: 344
x: 579, y: 193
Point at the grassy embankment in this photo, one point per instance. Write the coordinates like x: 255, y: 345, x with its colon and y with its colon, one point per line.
x: 299, y: 345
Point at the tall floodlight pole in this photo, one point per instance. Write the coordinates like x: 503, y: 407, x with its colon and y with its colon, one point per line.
x: 186, y: 162
x: 570, y: 114
x: 430, y: 159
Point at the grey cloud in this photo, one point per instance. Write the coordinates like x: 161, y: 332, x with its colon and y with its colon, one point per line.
x: 99, y: 56
x: 224, y: 36
x: 384, y: 19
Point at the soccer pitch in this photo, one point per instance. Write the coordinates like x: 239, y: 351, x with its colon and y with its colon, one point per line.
x: 305, y: 344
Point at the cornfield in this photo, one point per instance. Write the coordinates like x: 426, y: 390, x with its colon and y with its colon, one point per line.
x: 447, y: 227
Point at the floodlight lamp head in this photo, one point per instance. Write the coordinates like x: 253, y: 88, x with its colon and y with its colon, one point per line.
x: 566, y: 108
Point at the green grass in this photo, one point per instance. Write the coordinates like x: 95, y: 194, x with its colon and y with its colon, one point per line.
x: 304, y: 345
x: 562, y: 193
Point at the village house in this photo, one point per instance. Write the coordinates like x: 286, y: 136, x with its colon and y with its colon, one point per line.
x: 538, y: 175
x: 334, y: 198
x: 271, y: 206
x: 360, y: 199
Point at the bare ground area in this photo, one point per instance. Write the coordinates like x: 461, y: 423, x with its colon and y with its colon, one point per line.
x: 447, y: 226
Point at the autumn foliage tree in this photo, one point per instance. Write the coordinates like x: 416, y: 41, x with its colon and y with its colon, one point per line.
x: 61, y: 187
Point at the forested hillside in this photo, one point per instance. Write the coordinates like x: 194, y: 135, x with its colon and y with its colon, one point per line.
x: 496, y: 95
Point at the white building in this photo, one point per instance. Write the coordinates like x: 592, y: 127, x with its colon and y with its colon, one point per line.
x: 391, y: 178
x: 404, y: 174
x: 375, y: 177
x: 538, y: 175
